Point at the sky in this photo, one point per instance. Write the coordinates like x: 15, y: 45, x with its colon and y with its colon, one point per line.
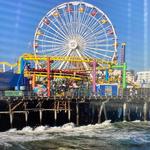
x: 131, y: 19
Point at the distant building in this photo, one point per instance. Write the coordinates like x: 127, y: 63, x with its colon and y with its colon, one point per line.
x: 143, y: 79
x: 130, y: 75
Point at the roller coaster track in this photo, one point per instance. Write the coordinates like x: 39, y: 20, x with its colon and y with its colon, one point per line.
x: 57, y: 74
x: 65, y: 58
x: 8, y: 64
x: 4, y: 64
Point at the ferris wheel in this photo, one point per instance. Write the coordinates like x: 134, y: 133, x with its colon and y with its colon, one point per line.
x: 76, y: 29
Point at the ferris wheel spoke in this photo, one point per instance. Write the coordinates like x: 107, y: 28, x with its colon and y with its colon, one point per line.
x: 104, y: 35
x: 81, y: 57
x: 71, y: 24
x: 100, y: 45
x: 94, y: 23
x: 69, y: 52
x: 69, y: 65
x: 62, y: 19
x: 55, y: 64
x: 103, y: 30
x: 68, y: 21
x: 97, y: 53
x: 101, y: 41
x: 49, y: 37
x: 100, y: 49
x: 58, y: 53
x: 85, y: 20
x: 94, y: 30
x: 97, y: 40
x: 65, y: 65
x: 96, y: 33
x: 88, y: 55
x: 64, y: 26
x: 56, y: 32
x: 82, y: 19
x: 85, y: 30
x: 79, y: 21
x: 55, y: 48
x: 87, y: 23
x: 50, y: 51
x: 47, y: 51
x: 91, y: 56
x: 89, y: 38
x: 58, y: 28
x: 61, y: 25
x: 106, y: 40
x: 56, y: 36
x: 58, y: 48
x: 72, y: 29
x: 47, y: 44
x: 74, y: 19
x: 70, y: 18
x: 52, y: 42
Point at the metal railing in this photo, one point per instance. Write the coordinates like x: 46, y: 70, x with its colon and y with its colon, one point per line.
x: 87, y: 92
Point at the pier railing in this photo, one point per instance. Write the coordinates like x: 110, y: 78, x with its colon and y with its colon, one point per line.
x: 137, y: 92
x: 79, y: 92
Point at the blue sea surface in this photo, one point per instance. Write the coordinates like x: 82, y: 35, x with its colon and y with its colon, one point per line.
x: 105, y: 136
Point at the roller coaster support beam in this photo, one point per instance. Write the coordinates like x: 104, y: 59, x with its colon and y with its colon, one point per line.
x: 21, y: 76
x: 4, y: 68
x: 107, y: 75
x: 6, y: 64
x: 48, y: 77
x: 123, y: 53
x: 33, y: 80
x: 124, y: 76
x: 94, y: 76
x: 123, y: 67
x: 21, y: 66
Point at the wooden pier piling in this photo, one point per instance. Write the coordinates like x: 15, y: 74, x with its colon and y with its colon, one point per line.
x: 61, y: 110
x: 77, y: 113
x: 145, y: 111
x: 124, y: 111
x: 69, y: 111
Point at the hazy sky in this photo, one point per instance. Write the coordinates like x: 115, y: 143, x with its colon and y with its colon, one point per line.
x: 131, y: 19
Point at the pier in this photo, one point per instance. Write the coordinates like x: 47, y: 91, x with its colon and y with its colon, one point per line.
x: 18, y: 112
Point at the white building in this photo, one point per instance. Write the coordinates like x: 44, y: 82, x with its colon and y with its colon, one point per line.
x: 143, y: 78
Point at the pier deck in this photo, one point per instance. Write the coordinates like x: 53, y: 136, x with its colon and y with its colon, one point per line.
x: 17, y: 112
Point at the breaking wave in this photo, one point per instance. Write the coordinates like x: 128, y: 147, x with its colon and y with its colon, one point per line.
x: 107, y: 133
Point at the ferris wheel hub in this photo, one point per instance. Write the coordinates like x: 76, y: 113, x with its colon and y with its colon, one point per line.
x: 73, y: 44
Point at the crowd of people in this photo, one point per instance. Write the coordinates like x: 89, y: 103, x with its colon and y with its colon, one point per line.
x: 62, y: 87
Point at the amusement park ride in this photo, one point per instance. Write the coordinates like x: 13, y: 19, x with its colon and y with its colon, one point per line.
x: 75, y: 41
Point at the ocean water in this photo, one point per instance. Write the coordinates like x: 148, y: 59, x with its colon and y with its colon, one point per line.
x: 105, y: 136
